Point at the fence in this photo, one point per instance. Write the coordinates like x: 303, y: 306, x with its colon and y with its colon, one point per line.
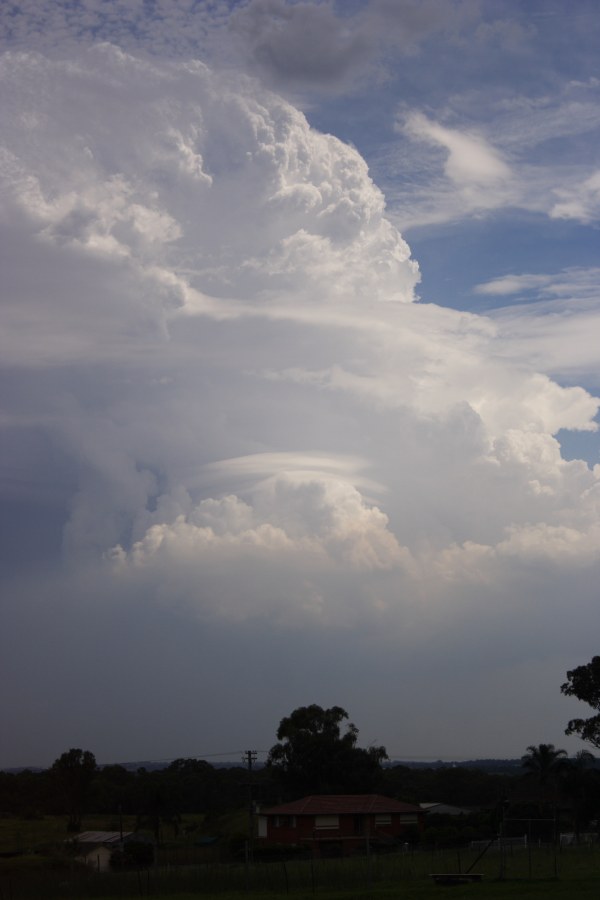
x: 498, y: 844
x: 285, y: 876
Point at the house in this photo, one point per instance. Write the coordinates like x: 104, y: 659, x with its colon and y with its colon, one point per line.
x: 340, y: 824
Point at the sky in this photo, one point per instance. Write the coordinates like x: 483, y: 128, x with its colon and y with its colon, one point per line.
x: 299, y: 336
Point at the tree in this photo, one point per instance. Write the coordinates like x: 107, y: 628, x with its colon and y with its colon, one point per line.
x: 580, y: 785
x: 192, y: 785
x: 315, y: 755
x: 112, y: 790
x: 73, y: 772
x: 545, y: 765
x: 584, y: 683
x: 545, y: 762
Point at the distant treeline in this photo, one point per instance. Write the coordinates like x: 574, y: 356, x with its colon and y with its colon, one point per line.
x: 191, y: 785
x: 76, y: 788
x: 508, y: 766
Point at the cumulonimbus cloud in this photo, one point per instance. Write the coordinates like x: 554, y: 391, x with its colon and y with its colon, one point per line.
x: 217, y: 326
x: 254, y: 458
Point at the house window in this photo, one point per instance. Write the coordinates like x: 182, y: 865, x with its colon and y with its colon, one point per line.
x: 324, y: 822
x: 284, y: 821
x: 383, y: 819
x: 409, y: 819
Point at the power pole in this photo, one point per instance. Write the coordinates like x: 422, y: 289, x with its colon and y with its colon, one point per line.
x: 250, y: 758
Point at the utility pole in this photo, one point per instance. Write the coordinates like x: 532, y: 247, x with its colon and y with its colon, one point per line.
x: 250, y: 758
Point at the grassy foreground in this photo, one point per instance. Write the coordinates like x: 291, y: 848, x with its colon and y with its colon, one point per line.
x: 399, y: 876
x: 582, y: 889
x: 49, y: 874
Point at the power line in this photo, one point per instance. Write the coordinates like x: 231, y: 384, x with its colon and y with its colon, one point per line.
x: 230, y: 754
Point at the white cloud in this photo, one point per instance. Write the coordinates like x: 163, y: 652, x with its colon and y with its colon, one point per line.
x: 471, y: 160
x: 574, y: 284
x: 304, y: 521
x: 513, y: 284
x: 579, y: 201
x: 557, y: 321
x: 462, y: 175
x: 295, y: 210
x: 490, y: 149
x: 255, y: 270
x: 176, y: 28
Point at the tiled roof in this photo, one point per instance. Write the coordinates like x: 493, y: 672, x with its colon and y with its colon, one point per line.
x: 341, y: 804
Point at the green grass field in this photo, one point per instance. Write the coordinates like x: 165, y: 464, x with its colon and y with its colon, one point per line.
x: 18, y: 834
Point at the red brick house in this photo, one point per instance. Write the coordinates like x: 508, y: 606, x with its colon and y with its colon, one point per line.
x: 339, y: 824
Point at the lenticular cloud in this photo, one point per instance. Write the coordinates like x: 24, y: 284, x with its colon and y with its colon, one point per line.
x: 210, y: 318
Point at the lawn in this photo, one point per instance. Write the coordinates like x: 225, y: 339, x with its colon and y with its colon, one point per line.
x: 18, y: 834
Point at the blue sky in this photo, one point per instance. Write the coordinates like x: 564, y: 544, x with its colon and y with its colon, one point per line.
x: 299, y: 319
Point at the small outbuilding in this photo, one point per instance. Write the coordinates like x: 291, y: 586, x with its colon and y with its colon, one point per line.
x: 95, y: 848
x: 340, y: 824
x: 444, y: 809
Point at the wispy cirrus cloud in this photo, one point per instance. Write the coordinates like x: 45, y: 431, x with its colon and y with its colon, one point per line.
x: 470, y: 161
x: 474, y: 176
x: 575, y: 284
x: 554, y: 317
x: 579, y: 201
x: 481, y: 155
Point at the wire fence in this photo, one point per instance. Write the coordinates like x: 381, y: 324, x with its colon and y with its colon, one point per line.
x: 311, y: 876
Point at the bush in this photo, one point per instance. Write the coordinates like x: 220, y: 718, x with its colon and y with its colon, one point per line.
x: 136, y: 854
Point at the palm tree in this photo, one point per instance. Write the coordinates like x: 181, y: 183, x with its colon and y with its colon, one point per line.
x: 545, y: 762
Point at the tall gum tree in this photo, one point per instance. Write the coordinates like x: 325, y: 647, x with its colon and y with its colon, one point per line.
x: 316, y: 755
x: 74, y: 771
x: 584, y: 683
